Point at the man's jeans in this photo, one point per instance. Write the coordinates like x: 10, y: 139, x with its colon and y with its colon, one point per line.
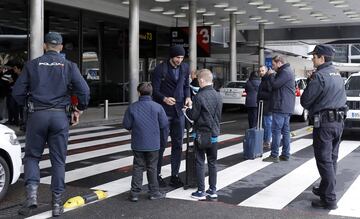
x: 267, y: 128
x: 280, y: 126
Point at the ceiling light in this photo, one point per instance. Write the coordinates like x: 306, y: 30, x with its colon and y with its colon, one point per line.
x: 162, y: 0
x: 240, y: 23
x: 290, y: 19
x: 225, y: 19
x: 209, y: 23
x: 200, y: 10
x: 347, y: 12
x: 341, y: 5
x: 292, y: 1
x: 284, y: 16
x: 325, y: 20
x: 256, y: 2
x: 265, y: 6
x: 262, y: 21
x: 170, y: 12
x: 299, y: 4
x: 239, y: 12
x: 322, y: 17
x: 221, y: 5
x: 269, y: 23
x: 254, y: 18
x: 215, y: 25
x: 231, y: 9
x: 316, y: 14
x: 209, y: 13
x: 125, y: 2
x: 157, y: 9
x: 336, y: 1
x: 270, y: 10
x: 355, y: 18
x: 179, y: 15
x: 353, y: 15
x: 185, y: 7
x: 305, y: 8
x: 296, y: 22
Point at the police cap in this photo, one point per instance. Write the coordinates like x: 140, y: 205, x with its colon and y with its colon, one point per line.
x: 323, y: 49
x: 53, y: 38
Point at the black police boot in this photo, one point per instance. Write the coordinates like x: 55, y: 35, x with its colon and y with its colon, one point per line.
x: 57, y: 205
x: 31, y: 200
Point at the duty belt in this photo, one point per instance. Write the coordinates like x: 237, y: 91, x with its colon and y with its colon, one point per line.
x: 332, y: 115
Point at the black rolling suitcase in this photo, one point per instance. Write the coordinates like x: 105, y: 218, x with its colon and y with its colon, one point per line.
x: 190, y: 178
x: 254, y: 137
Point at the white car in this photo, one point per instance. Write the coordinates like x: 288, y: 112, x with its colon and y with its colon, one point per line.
x: 300, y: 85
x: 352, y: 88
x: 10, y: 159
x: 233, y: 93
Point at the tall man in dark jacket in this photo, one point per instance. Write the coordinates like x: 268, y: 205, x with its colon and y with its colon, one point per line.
x: 206, y: 114
x: 171, y: 89
x: 325, y: 98
x: 283, y: 103
x: 47, y: 81
x: 264, y: 94
x: 145, y: 119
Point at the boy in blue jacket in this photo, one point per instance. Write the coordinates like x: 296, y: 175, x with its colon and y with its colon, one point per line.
x: 145, y: 118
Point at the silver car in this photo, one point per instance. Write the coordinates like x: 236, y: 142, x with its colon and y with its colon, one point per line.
x: 233, y: 93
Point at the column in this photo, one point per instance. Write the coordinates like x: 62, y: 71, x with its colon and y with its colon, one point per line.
x: 133, y: 49
x: 192, y: 35
x: 233, y: 71
x: 36, y: 28
x: 261, y: 44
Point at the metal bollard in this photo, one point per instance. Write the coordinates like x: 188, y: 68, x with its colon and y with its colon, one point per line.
x: 106, y: 109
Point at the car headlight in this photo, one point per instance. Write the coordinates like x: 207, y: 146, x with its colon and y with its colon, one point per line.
x: 12, y: 138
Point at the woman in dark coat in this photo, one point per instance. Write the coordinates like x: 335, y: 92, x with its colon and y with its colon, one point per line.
x: 251, y: 88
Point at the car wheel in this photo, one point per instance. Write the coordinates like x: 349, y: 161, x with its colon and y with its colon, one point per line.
x: 4, y: 178
x: 305, y: 116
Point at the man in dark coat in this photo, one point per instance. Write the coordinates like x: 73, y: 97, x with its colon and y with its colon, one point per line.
x: 171, y: 89
x: 264, y: 94
x: 283, y: 103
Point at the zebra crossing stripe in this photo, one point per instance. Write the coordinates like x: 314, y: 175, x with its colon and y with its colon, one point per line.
x: 72, y: 131
x: 347, y: 205
x: 236, y: 172
x: 91, y: 143
x: 292, y: 184
x: 88, y: 171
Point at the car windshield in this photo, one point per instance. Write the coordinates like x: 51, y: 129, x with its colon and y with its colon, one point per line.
x: 353, y: 83
x: 236, y: 84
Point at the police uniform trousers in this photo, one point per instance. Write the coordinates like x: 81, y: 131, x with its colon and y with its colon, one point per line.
x: 176, y: 131
x: 326, y: 140
x: 51, y: 128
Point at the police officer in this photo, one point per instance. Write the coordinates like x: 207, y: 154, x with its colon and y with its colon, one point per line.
x: 325, y: 99
x: 47, y: 81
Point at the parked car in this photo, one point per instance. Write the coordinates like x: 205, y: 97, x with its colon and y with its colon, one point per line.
x: 10, y: 159
x: 352, y: 88
x: 233, y: 93
x: 300, y: 85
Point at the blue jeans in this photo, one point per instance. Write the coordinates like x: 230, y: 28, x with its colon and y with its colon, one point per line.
x: 280, y: 126
x: 267, y: 128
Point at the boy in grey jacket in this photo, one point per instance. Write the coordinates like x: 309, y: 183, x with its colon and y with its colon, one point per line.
x: 145, y: 118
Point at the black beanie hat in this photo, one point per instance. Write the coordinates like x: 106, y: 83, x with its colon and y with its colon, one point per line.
x: 177, y: 50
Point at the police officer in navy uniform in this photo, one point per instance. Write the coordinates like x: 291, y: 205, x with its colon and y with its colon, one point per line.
x: 47, y: 82
x: 325, y: 98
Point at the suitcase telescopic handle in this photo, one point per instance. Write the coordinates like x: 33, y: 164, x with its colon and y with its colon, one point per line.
x: 260, y: 114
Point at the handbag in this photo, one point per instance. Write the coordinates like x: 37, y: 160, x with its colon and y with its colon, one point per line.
x: 203, y: 140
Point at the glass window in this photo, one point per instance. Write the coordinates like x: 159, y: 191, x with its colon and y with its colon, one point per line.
x: 353, y: 83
